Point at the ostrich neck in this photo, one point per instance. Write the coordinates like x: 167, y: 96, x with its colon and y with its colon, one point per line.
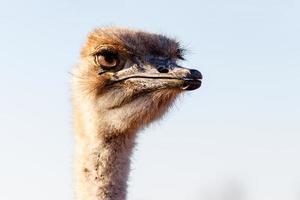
x: 102, y: 165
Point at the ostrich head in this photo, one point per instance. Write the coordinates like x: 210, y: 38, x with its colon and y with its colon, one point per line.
x: 131, y: 77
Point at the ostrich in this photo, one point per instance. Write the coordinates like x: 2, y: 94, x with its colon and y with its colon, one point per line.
x: 125, y: 79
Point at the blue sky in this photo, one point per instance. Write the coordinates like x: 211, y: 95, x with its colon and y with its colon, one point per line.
x: 238, y: 134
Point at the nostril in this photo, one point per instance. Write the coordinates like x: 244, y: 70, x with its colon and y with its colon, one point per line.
x: 195, y: 74
x: 163, y: 70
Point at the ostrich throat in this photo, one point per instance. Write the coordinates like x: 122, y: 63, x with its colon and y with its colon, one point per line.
x: 103, y: 165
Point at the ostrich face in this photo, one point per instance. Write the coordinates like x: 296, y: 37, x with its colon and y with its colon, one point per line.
x: 133, y: 74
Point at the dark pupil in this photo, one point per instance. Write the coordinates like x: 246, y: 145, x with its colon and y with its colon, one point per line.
x: 109, y: 56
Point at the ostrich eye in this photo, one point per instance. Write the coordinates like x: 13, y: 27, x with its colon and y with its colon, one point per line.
x: 107, y: 59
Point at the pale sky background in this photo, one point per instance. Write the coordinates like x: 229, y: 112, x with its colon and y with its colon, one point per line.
x: 238, y: 135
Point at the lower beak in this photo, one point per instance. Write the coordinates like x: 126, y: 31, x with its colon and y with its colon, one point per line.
x: 191, y: 84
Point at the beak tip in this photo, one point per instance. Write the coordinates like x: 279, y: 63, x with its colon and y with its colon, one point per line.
x: 195, y: 74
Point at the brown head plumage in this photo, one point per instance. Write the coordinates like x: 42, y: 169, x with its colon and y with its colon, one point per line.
x: 131, y: 76
x: 125, y: 79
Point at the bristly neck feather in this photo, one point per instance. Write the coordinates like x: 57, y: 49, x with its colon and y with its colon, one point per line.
x: 102, y: 164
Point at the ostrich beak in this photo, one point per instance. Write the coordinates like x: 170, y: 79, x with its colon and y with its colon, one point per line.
x: 170, y: 75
